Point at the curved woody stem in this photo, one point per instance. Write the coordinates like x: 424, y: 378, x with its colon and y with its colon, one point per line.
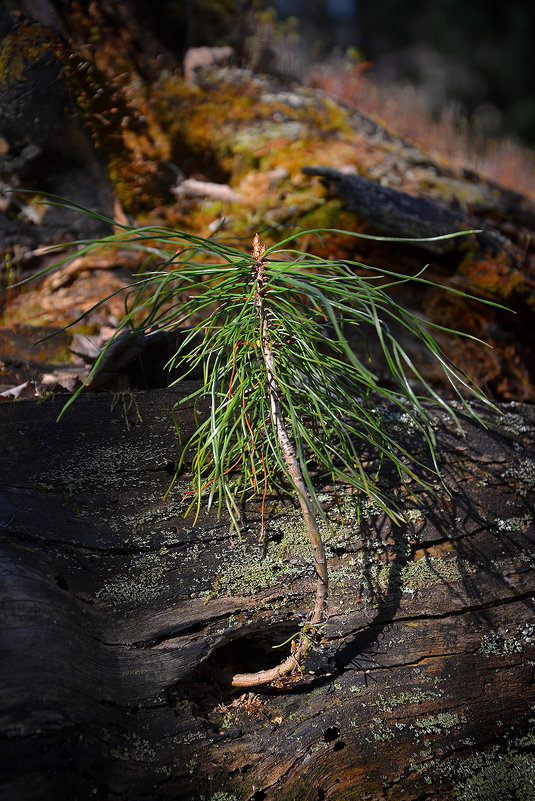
x: 300, y: 645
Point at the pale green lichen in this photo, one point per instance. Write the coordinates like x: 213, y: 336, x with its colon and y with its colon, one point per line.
x: 499, y: 643
x: 247, y: 571
x: 374, y: 571
x: 108, y: 468
x: 221, y: 796
x: 502, y: 773
x: 405, y: 698
x: 414, y: 515
x: 489, y: 777
x: 522, y: 476
x: 441, y: 723
x: 286, y: 553
x: 433, y: 570
x: 396, y: 420
x: 370, y: 510
x: 134, y: 748
x: 358, y: 690
x: 519, y: 523
x: 528, y: 557
x: 435, y: 724
x: 515, y: 424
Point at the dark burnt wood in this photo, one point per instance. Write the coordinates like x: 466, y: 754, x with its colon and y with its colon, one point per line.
x: 121, y: 621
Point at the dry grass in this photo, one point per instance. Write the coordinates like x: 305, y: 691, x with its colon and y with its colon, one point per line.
x: 451, y: 137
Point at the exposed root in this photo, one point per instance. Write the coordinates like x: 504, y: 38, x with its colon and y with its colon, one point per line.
x: 290, y: 665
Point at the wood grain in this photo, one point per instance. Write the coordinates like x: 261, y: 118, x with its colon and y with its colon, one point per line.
x: 121, y: 621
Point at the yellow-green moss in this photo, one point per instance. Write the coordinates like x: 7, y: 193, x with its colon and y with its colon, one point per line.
x: 28, y: 44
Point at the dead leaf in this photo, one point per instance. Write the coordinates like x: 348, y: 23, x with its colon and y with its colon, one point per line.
x: 26, y: 390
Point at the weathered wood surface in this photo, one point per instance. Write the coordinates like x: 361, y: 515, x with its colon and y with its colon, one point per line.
x: 120, y: 618
x: 390, y: 212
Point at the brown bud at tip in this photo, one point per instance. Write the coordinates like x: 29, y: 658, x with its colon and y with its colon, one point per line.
x: 258, y: 248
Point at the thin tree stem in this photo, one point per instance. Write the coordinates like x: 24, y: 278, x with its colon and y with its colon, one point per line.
x: 296, y: 475
x: 300, y: 646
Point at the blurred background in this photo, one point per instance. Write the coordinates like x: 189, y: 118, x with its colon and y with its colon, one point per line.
x: 471, y: 61
x: 135, y: 108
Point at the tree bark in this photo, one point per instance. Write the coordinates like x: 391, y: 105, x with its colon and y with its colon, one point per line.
x: 122, y: 624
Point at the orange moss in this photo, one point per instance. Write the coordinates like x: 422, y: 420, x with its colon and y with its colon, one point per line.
x: 236, y: 132
x: 493, y: 278
x: 28, y: 44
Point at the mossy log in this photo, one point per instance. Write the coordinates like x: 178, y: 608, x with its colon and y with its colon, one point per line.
x: 121, y: 622
x: 390, y: 212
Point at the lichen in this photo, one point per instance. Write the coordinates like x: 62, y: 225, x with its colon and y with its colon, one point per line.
x: 247, y: 571
x: 499, y: 643
x: 405, y: 698
x: 435, y: 724
x: 128, y: 590
x: 433, y: 570
x: 493, y: 776
x: 504, y: 771
x: 519, y: 523
x: 220, y: 796
x: 521, y: 476
x: 515, y: 424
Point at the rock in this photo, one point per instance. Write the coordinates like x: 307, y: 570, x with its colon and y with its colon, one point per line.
x: 197, y: 58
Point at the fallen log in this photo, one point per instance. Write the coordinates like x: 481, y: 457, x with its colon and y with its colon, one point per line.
x: 122, y: 622
x: 390, y: 212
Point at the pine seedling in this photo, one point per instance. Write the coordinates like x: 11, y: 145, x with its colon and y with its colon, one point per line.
x: 287, y: 395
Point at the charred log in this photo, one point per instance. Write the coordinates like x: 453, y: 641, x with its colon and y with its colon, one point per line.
x: 122, y: 622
